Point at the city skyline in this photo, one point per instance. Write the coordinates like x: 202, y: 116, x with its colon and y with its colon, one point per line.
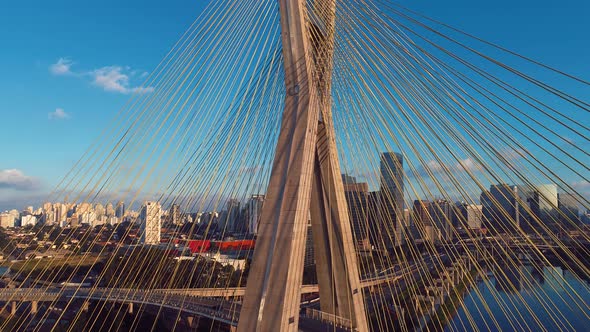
x: 408, y: 197
x: 368, y: 209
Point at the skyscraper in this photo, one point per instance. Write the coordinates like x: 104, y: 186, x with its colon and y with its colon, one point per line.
x: 469, y: 216
x: 421, y: 213
x: 500, y: 207
x: 547, y: 197
x: 7, y: 220
x: 357, y: 201
x: 120, y: 210
x: 348, y: 179
x: 568, y: 211
x: 422, y: 220
x: 151, y: 223
x: 441, y: 212
x: 100, y: 210
x: 537, y: 207
x: 254, y: 209
x: 110, y: 210
x: 392, y: 196
x: 61, y: 214
x: 233, y: 216
x: 174, y: 214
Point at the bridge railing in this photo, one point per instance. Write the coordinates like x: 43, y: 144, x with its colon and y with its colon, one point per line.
x: 332, y: 319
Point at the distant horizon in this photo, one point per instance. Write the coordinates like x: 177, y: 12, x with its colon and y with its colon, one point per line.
x: 221, y: 203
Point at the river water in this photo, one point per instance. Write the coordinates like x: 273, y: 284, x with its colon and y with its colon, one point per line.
x: 525, y: 298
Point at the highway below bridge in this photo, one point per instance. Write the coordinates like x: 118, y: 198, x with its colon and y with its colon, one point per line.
x: 212, y: 303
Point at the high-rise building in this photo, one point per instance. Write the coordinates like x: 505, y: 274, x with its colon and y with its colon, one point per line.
x: 174, y: 214
x: 547, y: 197
x: 357, y: 200
x: 99, y: 210
x: 421, y: 215
x: 48, y: 217
x: 424, y: 228
x: 208, y: 218
x: 548, y: 204
x: 441, y: 212
x: 151, y: 222
x: 28, y: 220
x: 88, y: 218
x: 538, y: 207
x: 83, y: 208
x: 7, y: 220
x: 348, y: 179
x: 110, y: 210
x: 254, y: 210
x: 233, y: 216
x: 469, y: 216
x: 568, y: 210
x: 61, y: 213
x: 120, y: 210
x: 392, y: 196
x: 501, y: 209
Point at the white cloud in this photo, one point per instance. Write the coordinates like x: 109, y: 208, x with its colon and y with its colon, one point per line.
x: 114, y: 79
x: 110, y: 78
x: 582, y: 185
x: 59, y: 113
x: 437, y: 168
x: 16, y: 179
x: 61, y: 67
x: 468, y: 165
x: 582, y: 188
x: 434, y: 167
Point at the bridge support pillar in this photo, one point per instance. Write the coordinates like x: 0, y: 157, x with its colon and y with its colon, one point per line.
x: 305, y: 181
x: 130, y: 309
x: 190, y: 322
x: 34, y: 307
x: 13, y: 308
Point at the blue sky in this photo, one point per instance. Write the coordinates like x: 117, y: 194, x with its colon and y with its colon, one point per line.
x: 93, y: 38
x: 68, y: 66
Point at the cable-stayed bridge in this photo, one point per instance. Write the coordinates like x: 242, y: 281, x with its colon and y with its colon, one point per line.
x: 385, y: 162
